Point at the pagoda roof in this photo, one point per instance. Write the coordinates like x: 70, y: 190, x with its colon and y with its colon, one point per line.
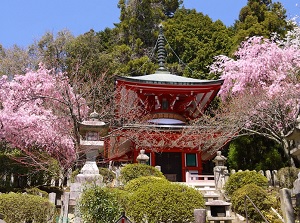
x: 166, y: 78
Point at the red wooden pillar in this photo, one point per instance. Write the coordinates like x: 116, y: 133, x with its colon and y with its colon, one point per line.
x: 152, y: 159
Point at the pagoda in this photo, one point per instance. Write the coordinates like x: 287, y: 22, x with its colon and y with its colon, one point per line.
x: 167, y: 103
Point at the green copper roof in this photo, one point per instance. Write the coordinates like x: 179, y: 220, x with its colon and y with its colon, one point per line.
x: 165, y: 77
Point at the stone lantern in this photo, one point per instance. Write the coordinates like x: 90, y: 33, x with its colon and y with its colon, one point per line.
x: 295, y: 136
x: 91, y: 145
x: 142, y: 157
x: 220, y: 170
x: 91, y: 132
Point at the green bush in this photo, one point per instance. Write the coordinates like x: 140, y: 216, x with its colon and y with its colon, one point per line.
x: 20, y: 208
x: 240, y: 179
x: 286, y: 176
x: 100, y: 205
x: 73, y: 175
x: 108, y: 175
x: 132, y: 171
x: 135, y: 184
x: 163, y: 202
x: 259, y: 197
x: 37, y: 191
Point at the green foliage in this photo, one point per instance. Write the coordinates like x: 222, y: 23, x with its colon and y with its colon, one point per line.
x: 135, y: 184
x: 73, y: 175
x: 163, y: 202
x: 37, y: 191
x: 254, y: 153
x: 196, y: 39
x: 132, y: 171
x: 108, y: 175
x: 259, y: 197
x: 286, y: 176
x: 257, y: 19
x: 21, y: 172
x: 240, y: 179
x: 140, y: 18
x: 51, y: 49
x: 100, y: 205
x: 19, y: 208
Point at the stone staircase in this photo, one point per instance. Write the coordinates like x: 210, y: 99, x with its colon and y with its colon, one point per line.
x: 218, y: 209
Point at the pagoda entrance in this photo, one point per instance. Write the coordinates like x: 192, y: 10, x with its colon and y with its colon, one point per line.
x: 171, y: 165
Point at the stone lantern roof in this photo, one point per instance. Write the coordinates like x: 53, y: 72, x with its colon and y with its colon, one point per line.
x: 93, y: 124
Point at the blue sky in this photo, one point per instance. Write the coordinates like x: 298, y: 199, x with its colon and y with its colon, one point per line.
x: 23, y: 21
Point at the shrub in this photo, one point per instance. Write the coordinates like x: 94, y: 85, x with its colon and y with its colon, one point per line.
x: 108, y: 175
x: 135, y: 184
x: 37, y: 191
x: 286, y: 176
x: 73, y: 175
x: 259, y: 197
x: 100, y: 205
x: 240, y: 179
x: 132, y: 171
x: 20, y: 208
x: 163, y: 202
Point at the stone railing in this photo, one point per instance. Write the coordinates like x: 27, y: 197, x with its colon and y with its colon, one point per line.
x: 200, y: 182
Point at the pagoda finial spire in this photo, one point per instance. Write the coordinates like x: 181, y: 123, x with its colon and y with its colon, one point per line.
x: 161, y: 52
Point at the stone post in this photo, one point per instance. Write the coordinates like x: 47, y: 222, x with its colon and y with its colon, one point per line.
x: 286, y: 205
x: 52, y: 198
x: 296, y: 191
x: 200, y: 215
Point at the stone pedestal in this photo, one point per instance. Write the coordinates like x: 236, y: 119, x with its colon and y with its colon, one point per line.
x: 88, y: 176
x: 200, y: 215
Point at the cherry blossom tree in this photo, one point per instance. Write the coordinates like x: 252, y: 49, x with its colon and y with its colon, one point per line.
x: 263, y: 80
x: 39, y: 114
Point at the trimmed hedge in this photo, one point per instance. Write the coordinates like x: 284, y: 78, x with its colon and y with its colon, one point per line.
x: 259, y: 197
x: 20, y: 208
x: 240, y: 179
x: 135, y: 184
x: 100, y: 205
x: 133, y: 171
x: 163, y: 202
x: 108, y: 175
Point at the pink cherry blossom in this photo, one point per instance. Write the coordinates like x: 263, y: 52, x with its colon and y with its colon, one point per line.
x: 36, y: 113
x: 264, y: 79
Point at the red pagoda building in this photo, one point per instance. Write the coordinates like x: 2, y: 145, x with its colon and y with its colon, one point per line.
x: 165, y: 104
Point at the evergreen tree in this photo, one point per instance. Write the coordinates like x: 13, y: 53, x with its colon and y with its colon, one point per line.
x: 260, y: 18
x: 195, y: 39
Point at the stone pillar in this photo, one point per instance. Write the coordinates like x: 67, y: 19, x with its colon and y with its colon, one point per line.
x: 52, y: 198
x: 200, y: 215
x: 275, y: 178
x: 269, y: 177
x: 286, y: 205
